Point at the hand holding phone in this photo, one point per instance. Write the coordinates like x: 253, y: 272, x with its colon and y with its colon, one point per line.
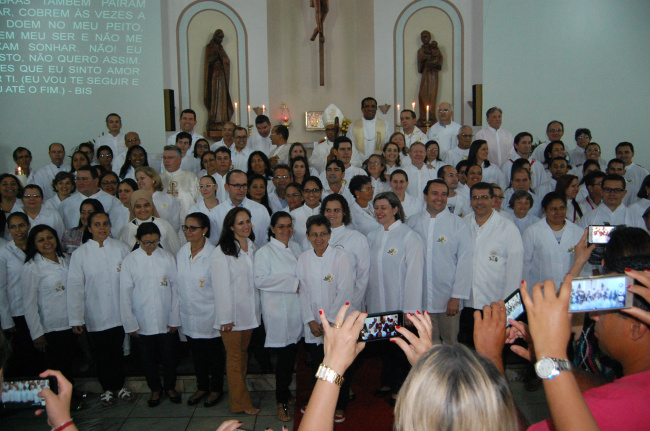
x: 603, y: 292
x: 24, y: 393
x: 381, y: 326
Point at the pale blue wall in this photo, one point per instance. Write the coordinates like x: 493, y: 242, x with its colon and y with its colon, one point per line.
x: 586, y: 63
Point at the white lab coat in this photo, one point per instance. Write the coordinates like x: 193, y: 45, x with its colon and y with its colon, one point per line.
x: 326, y: 283
x: 396, y: 268
x: 168, y: 208
x: 602, y: 215
x: 356, y: 246
x: 69, y: 208
x: 200, y: 207
x: 412, y: 205
x: 148, y: 292
x: 498, y: 260
x: 362, y: 220
x: 544, y: 258
x: 418, y: 179
x: 300, y: 216
x: 275, y: 277
x: 523, y: 223
x: 51, y: 218
x: 259, y: 217
x: 238, y: 301
x: 168, y: 237
x: 446, y: 254
x: 44, y: 295
x: 492, y: 174
x: 459, y: 205
x: 634, y: 175
x: 12, y: 260
x: 94, y: 285
x: 196, y: 299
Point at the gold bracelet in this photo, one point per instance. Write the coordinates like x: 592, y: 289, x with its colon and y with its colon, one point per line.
x: 329, y: 375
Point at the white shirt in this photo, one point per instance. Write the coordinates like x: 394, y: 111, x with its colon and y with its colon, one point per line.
x: 196, y: 294
x: 455, y: 155
x: 535, y: 210
x: 448, y: 248
x: 69, y: 208
x: 411, y: 205
x: 44, y: 176
x: 52, y: 203
x: 319, y: 154
x: 275, y: 202
x: 500, y: 144
x: 282, y: 152
x: 185, y: 186
x: 168, y: 208
x: 416, y: 135
x: 195, y: 137
x: 459, y: 205
x: 240, y: 158
x: 356, y: 246
x: 258, y: 143
x: 44, y: 295
x: 363, y: 219
x: 418, y: 179
x: 275, y: 277
x: 537, y: 172
x: 222, y: 194
x: 115, y: 142
x: 300, y: 216
x: 396, y: 269
x: 544, y: 258
x: 634, y: 175
x: 497, y: 262
x: 445, y: 136
x: 94, y: 285
x: 12, y: 260
x: 238, y: 301
x: 602, y: 214
x: 344, y: 191
x: 168, y: 236
x: 492, y: 174
x: 326, y: 283
x: 259, y: 217
x: 369, y: 129
x: 148, y: 292
x: 523, y: 223
x: 51, y: 218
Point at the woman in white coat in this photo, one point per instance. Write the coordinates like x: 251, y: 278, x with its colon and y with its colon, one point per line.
x: 478, y: 155
x: 143, y: 210
x: 399, y: 182
x: 275, y: 277
x: 149, y: 309
x: 361, y: 210
x: 94, y: 301
x: 549, y: 243
x: 44, y: 289
x: 312, y: 190
x: 33, y: 207
x: 520, y: 203
x: 197, y: 306
x: 238, y: 305
x: 167, y: 205
x: 326, y: 283
x: 395, y: 283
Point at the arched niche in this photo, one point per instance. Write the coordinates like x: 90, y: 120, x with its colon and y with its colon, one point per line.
x: 445, y: 24
x: 196, y: 25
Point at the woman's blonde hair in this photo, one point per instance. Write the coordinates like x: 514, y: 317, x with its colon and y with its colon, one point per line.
x: 151, y: 173
x: 452, y: 388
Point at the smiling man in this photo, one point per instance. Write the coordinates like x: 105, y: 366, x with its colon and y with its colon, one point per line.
x: 113, y: 138
x: 411, y: 133
x: 499, y: 140
x: 612, y: 210
x: 445, y: 131
x: 448, y: 246
x: 368, y: 134
x: 634, y: 174
x: 187, y: 122
x: 44, y: 176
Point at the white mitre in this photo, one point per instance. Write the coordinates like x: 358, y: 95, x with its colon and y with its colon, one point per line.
x: 329, y: 115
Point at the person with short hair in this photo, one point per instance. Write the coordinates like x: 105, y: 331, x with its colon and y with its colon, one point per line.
x: 261, y: 141
x: 167, y: 206
x: 634, y: 173
x: 240, y: 152
x: 558, y: 167
x: 593, y: 183
x: 64, y: 186
x: 178, y: 182
x: 499, y: 140
x: 23, y: 159
x: 457, y: 200
x: 113, y: 138
x: 322, y: 149
x: 281, y: 178
x: 554, y: 132
x: 522, y: 150
x: 294, y: 197
x: 33, y: 207
x: 583, y: 138
x: 445, y: 131
x: 228, y: 138
x: 131, y: 139
x: 361, y: 210
x: 461, y: 150
x: 612, y: 210
x: 419, y: 173
x: 521, y: 202
x: 399, y: 183
x: 412, y: 133
x: 44, y: 176
x: 279, y: 151
x: 187, y: 122
x: 335, y: 179
x: 312, y: 191
x: 368, y: 133
x: 342, y: 149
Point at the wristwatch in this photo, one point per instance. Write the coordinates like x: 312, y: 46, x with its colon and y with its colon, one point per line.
x: 329, y: 375
x: 547, y: 368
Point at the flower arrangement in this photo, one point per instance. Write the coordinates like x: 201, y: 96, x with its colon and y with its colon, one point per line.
x: 345, y: 125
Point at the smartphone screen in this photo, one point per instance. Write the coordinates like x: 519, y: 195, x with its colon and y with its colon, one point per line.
x: 599, y: 234
x: 514, y: 306
x: 381, y: 326
x: 22, y: 393
x: 600, y: 293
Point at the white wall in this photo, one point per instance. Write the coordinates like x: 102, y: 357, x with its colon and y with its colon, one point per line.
x: 585, y: 63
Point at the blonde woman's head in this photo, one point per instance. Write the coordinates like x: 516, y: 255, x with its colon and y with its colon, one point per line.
x: 452, y: 388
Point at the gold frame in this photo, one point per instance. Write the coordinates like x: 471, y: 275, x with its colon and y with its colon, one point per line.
x: 312, y: 118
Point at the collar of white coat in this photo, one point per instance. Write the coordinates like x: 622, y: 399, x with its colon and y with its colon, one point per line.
x: 394, y: 226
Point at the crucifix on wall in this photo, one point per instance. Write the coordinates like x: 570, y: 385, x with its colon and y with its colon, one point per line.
x: 321, y: 7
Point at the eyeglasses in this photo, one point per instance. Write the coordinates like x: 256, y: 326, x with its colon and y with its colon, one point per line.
x: 150, y: 243
x: 239, y: 186
x: 284, y: 226
x: 482, y: 198
x: 466, y: 135
x: 282, y: 177
x: 592, y: 150
x: 110, y: 183
x: 443, y: 111
x: 105, y: 156
x: 31, y: 196
x: 555, y: 130
x: 308, y: 191
x: 192, y: 229
x: 133, y: 140
x: 374, y: 163
x: 206, y: 186
x: 433, y: 149
x: 616, y: 191
x: 367, y: 189
x: 583, y: 137
x: 292, y: 195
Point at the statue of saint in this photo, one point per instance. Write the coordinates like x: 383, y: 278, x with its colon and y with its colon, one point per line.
x: 216, y: 86
x: 321, y: 8
x: 429, y: 64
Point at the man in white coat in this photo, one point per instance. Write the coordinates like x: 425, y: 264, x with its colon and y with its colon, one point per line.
x: 499, y: 140
x: 237, y: 186
x: 448, y: 246
x: 408, y: 119
x: 44, y: 176
x: 114, y: 138
x: 187, y: 121
x: 445, y: 131
x: 634, y: 174
x: 261, y: 141
x: 498, y: 257
x: 457, y: 201
x: 612, y: 210
x: 522, y: 150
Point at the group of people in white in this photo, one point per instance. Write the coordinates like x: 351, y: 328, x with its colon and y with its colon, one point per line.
x: 216, y: 238
x: 23, y: 392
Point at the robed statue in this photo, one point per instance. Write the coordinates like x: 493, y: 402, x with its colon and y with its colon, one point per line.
x: 429, y: 64
x: 217, y: 80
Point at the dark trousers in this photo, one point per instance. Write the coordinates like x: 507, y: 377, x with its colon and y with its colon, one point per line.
x: 106, y: 347
x: 317, y: 353
x: 59, y: 352
x: 25, y: 360
x: 162, y: 345
x: 284, y: 372
x: 209, y: 357
x: 395, y: 366
x: 257, y: 349
x: 466, y: 327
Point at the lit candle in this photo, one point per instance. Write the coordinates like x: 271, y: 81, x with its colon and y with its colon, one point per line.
x: 427, y: 113
x: 236, y: 114
x: 263, y: 109
x: 413, y: 106
x: 249, y: 115
x: 397, y: 114
x: 19, y: 170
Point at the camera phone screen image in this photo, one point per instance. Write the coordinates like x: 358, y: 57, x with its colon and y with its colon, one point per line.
x: 598, y: 293
x: 19, y: 394
x: 599, y: 234
x: 514, y: 307
x: 379, y: 327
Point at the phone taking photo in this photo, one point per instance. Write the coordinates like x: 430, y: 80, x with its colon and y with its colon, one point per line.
x: 599, y: 234
x: 381, y: 326
x: 603, y: 292
x: 22, y: 393
x: 514, y: 306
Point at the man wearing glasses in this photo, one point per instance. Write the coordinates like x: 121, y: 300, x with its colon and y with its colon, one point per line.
x: 612, y: 211
x: 497, y: 263
x: 281, y: 179
x: 237, y: 186
x: 445, y: 131
x: 460, y: 151
x: 241, y: 151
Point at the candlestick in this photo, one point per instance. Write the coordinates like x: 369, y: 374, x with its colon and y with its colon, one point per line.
x: 427, y: 120
x: 236, y: 114
x: 249, y: 115
x: 397, y: 115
